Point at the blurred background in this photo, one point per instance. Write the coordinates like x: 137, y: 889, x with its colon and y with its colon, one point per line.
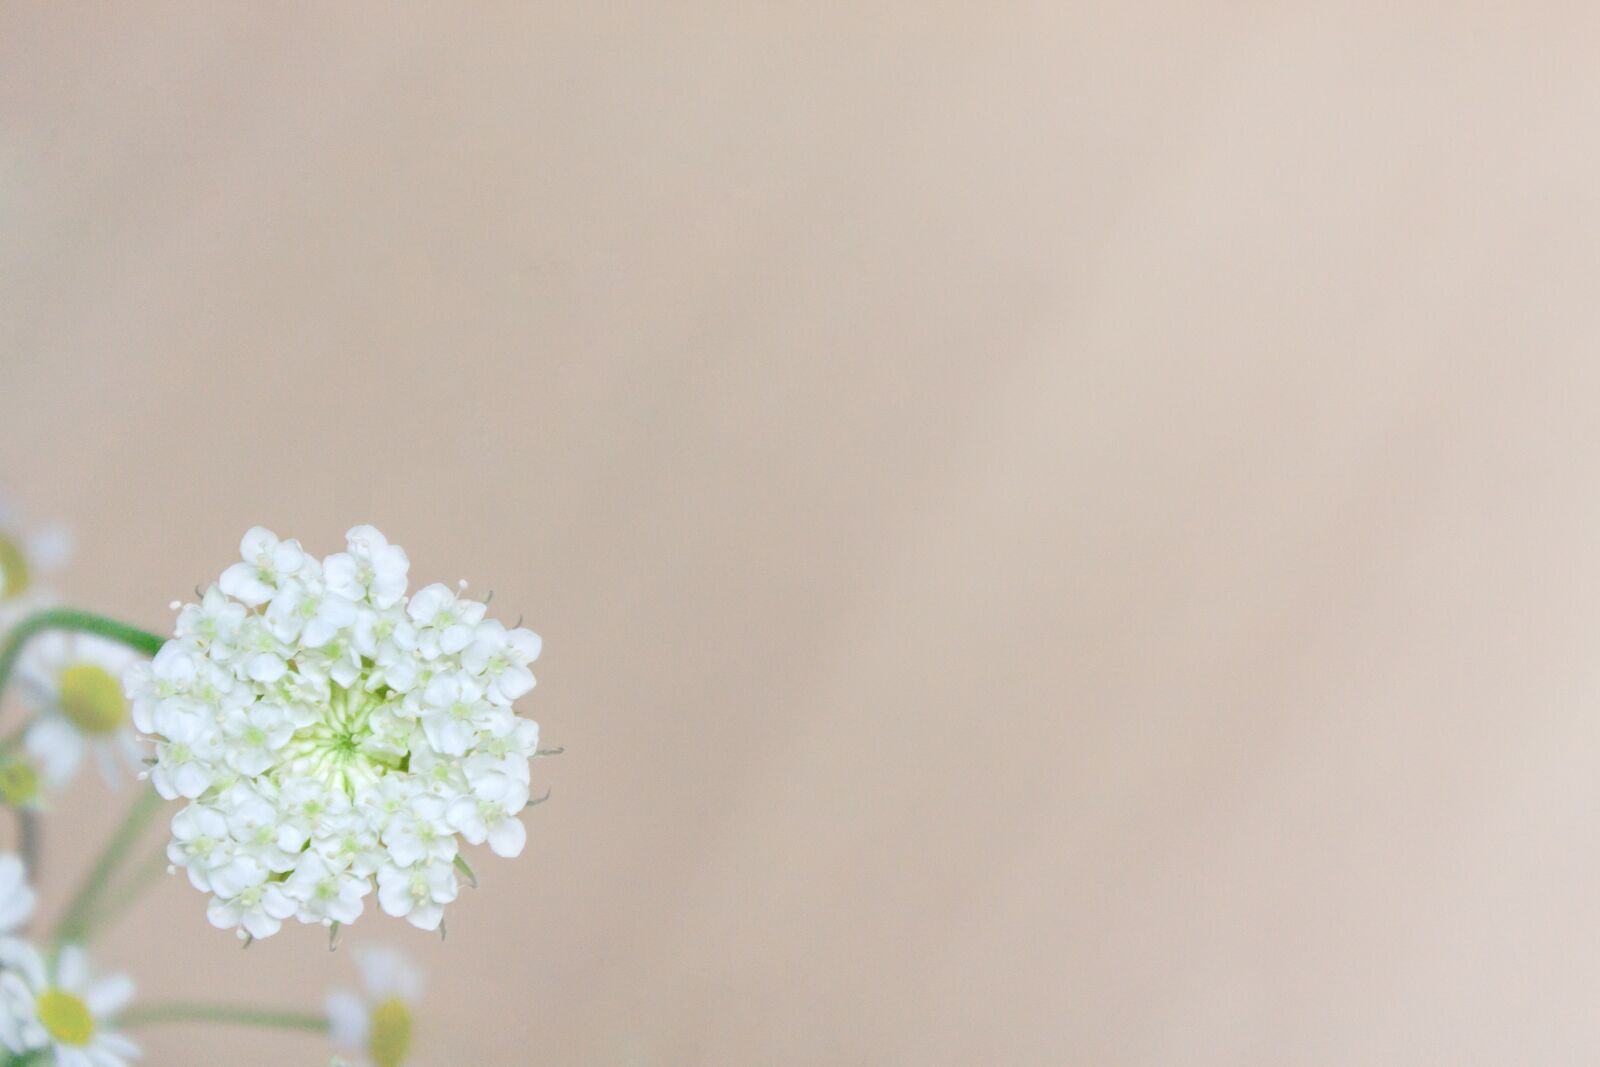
x: 1061, y: 536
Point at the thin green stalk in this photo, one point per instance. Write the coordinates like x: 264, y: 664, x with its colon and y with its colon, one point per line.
x: 75, y: 923
x: 78, y: 621
x: 160, y: 1014
x: 28, y: 840
x: 111, y: 909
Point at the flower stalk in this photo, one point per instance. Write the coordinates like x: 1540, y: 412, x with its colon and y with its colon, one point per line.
x: 114, y: 904
x: 226, y: 1014
x: 77, y: 923
x: 76, y: 621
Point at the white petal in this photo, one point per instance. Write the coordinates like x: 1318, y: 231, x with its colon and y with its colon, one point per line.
x: 50, y: 546
x: 72, y: 969
x: 394, y: 898
x: 266, y: 667
x: 342, y: 574
x: 288, y: 557
x: 223, y: 914
x: 58, y: 747
x: 260, y: 925
x: 386, y: 973
x: 257, y: 542
x: 70, y: 1056
x: 427, y: 601
x: 507, y: 837
x: 514, y: 682
x: 527, y: 643
x: 242, y: 581
x: 17, y: 898
x: 190, y: 781
x: 109, y: 995
x: 318, y: 632
x: 115, y: 1049
x: 365, y: 539
x: 21, y: 957
x: 348, y: 1022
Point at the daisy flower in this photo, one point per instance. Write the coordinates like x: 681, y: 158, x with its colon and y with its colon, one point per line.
x: 377, y: 1021
x: 25, y: 557
x: 335, y: 737
x: 75, y: 679
x: 62, y: 1012
x: 16, y: 896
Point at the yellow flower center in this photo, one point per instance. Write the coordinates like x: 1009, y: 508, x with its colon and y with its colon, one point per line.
x: 92, y: 699
x: 19, y: 783
x: 391, y: 1033
x: 65, y: 1016
x: 13, y: 569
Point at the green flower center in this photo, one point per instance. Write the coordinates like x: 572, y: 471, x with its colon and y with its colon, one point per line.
x: 391, y: 1033
x: 92, y: 699
x: 341, y: 749
x: 19, y: 783
x: 14, y: 574
x: 65, y: 1016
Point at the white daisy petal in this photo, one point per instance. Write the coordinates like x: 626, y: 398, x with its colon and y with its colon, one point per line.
x: 72, y: 969
x: 16, y: 896
x: 109, y: 995
x: 347, y: 1018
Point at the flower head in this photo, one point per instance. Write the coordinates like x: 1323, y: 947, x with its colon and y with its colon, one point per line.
x: 61, y: 1011
x: 26, y: 555
x: 334, y: 736
x: 75, y: 681
x: 377, y: 1022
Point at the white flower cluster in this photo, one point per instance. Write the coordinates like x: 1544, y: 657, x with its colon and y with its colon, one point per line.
x: 335, y: 736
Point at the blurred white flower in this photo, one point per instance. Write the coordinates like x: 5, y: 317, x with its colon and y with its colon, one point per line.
x: 26, y: 557
x: 16, y: 895
x: 75, y: 681
x: 335, y: 737
x: 377, y: 1022
x: 61, y: 1012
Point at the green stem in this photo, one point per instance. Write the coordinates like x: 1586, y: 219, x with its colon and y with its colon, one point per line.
x: 78, y: 621
x: 111, y: 909
x: 158, y: 1014
x: 76, y: 922
x: 28, y: 841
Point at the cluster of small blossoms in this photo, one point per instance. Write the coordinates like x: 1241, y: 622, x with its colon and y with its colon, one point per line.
x: 334, y: 736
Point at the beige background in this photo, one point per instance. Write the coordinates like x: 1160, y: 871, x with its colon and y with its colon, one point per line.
x: 1062, y: 538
